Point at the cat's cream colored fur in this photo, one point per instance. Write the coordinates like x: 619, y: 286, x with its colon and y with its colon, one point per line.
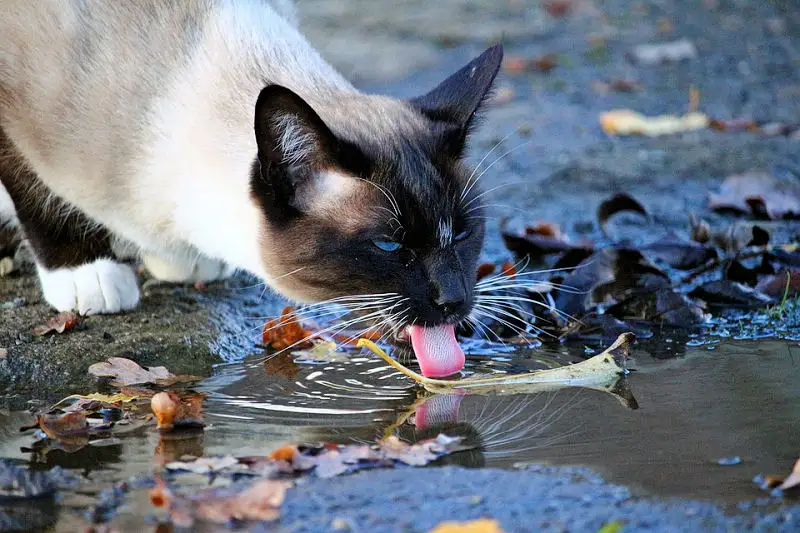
x: 140, y: 113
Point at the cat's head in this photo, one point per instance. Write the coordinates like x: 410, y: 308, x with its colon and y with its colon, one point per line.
x: 368, y: 196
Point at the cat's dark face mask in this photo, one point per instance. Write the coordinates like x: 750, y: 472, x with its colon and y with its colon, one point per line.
x: 392, y: 228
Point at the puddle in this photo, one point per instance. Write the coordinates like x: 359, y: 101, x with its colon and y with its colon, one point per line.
x: 718, y: 403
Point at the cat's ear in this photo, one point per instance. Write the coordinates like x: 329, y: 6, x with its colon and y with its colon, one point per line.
x: 297, y: 152
x: 457, y: 99
x: 290, y: 134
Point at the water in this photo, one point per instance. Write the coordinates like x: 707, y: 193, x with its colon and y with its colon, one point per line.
x: 715, y: 402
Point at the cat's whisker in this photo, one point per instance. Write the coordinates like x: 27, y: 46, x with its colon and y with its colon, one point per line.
x: 551, y: 308
x: 469, y: 183
x: 501, y: 157
x: 487, y: 311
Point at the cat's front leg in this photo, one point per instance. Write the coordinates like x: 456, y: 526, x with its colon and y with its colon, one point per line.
x: 186, y: 268
x: 74, y: 258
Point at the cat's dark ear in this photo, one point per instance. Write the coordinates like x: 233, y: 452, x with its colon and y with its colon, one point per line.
x: 456, y: 100
x: 290, y: 134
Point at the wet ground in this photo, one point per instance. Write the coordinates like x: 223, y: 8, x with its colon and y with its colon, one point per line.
x: 701, y: 400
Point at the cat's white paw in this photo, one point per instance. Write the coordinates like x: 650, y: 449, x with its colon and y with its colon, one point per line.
x: 178, y: 270
x: 103, y: 286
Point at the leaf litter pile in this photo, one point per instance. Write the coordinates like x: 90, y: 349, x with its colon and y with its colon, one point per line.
x: 233, y: 490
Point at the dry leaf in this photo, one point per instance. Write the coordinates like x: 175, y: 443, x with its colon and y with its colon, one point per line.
x: 485, y: 270
x: 758, y: 193
x: 628, y: 122
x: 793, y: 481
x: 784, y: 283
x: 204, y: 465
x: 481, y: 525
x: 62, y: 426
x: 127, y: 372
x: 518, y: 65
x: 617, y: 204
x: 59, y: 324
x: 285, y: 331
x: 173, y: 410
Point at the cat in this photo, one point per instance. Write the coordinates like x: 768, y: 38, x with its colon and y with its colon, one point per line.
x: 205, y: 136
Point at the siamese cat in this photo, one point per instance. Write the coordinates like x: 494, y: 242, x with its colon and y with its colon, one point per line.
x: 207, y: 136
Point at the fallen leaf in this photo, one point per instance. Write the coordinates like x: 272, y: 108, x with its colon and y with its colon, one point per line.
x: 793, y: 481
x: 284, y: 453
x: 627, y: 122
x: 784, y: 284
x: 59, y: 324
x: 616, y: 86
x: 679, y: 253
x: 539, y: 241
x: 242, y: 501
x: 518, y: 65
x: 285, y: 331
x: 203, y: 465
x: 281, y: 364
x: 173, y: 410
x: 617, y: 204
x: 481, y: 525
x: 663, y: 306
x: 62, y: 426
x: 485, y: 270
x: 730, y: 294
x: 126, y: 372
x: 611, y: 527
x: 758, y: 193
x: 667, y: 52
x: 734, y: 125
x: 558, y: 8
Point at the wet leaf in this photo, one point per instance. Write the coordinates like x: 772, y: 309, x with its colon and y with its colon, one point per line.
x: 281, y: 364
x: 734, y: 125
x: 204, y: 465
x: 259, y: 501
x: 700, y: 230
x: 607, y: 277
x: 558, y: 8
x: 598, y: 370
x: 663, y: 306
x: 285, y: 331
x: 174, y: 410
x: 485, y: 270
x: 760, y: 237
x: 126, y: 372
x: 539, y: 241
x: 680, y: 253
x: 730, y: 293
x: 481, y: 525
x: 617, y: 204
x: 784, y: 284
x: 3, y: 353
x: 62, y: 426
x: 627, y: 122
x: 617, y: 86
x: 58, y: 324
x: 758, y: 193
x: 611, y: 527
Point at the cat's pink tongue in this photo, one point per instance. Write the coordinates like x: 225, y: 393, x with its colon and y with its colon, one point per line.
x: 437, y: 350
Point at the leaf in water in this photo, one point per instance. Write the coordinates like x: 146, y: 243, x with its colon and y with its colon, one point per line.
x: 617, y: 204
x: 536, y: 245
x: 242, y: 501
x: 285, y: 331
x: 730, y: 293
x: 126, y: 372
x: 58, y: 324
x: 204, y: 465
x: 481, y: 525
x: 785, y: 283
x: 627, y: 122
x: 173, y: 410
x: 64, y: 426
x: 680, y: 253
x: 281, y: 364
x: 758, y: 193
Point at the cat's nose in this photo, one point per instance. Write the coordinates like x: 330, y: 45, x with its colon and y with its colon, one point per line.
x: 449, y: 307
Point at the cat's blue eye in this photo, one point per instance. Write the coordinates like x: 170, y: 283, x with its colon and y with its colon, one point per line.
x: 387, y: 246
x: 463, y: 235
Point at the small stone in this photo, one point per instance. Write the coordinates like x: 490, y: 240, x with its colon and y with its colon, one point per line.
x: 340, y: 524
x: 6, y: 266
x: 730, y: 461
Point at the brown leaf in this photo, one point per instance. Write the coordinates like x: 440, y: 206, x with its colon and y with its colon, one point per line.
x: 730, y: 294
x: 126, y: 372
x: 285, y: 331
x: 485, y: 270
x: 733, y: 125
x: 282, y: 364
x: 785, y: 282
x: 519, y: 65
x: 173, y: 410
x: 680, y: 253
x: 617, y: 204
x: 558, y: 8
x: 627, y: 122
x: 59, y: 324
x: 63, y: 426
x: 616, y: 86
x: 758, y: 193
